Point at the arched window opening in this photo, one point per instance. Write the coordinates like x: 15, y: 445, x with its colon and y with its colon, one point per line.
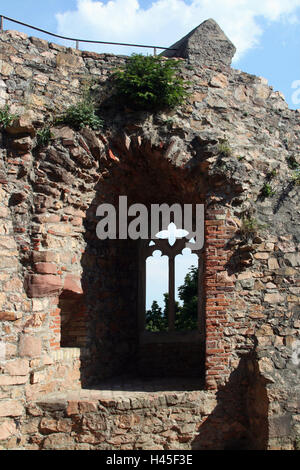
x: 171, y: 322
x: 170, y: 283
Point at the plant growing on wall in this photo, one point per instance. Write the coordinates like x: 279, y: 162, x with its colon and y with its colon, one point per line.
x: 80, y: 115
x: 150, y: 83
x: 250, y: 227
x: 6, y: 118
x: 44, y: 136
x: 296, y: 177
x: 224, y: 149
x: 267, y: 191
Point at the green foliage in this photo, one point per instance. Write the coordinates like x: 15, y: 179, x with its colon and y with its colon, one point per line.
x: 267, y: 190
x: 185, y: 315
x: 156, y: 319
x: 81, y: 115
x: 6, y: 118
x: 296, y: 177
x: 250, y: 227
x: 224, y: 149
x: 150, y: 83
x: 44, y: 136
x: 271, y: 175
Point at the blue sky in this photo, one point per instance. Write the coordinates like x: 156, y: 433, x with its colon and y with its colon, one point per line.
x: 266, y: 32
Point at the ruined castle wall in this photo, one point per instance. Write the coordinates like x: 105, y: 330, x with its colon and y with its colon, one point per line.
x: 49, y: 258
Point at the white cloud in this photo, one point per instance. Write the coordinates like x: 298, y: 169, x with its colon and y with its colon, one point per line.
x: 164, y: 22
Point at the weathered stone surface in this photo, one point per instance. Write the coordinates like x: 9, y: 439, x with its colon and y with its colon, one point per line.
x: 58, y: 441
x: 68, y: 60
x: 45, y: 256
x: 94, y: 144
x: 30, y: 346
x: 11, y: 408
x: 72, y: 283
x: 205, y: 44
x: 38, y: 285
x: 17, y: 367
x: 273, y: 298
x: 46, y: 268
x: 22, y: 125
x: 293, y: 259
x: 22, y: 143
x: 10, y: 316
x: 15, y: 380
x: 7, y: 429
x: 65, y: 133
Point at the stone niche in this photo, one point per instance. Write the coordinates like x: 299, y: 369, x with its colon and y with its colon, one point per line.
x: 145, y: 177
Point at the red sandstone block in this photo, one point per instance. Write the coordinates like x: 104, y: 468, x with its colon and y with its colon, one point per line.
x: 45, y: 257
x: 39, y: 285
x: 46, y: 268
x: 72, y: 283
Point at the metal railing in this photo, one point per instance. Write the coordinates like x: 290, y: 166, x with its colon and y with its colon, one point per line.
x: 78, y: 41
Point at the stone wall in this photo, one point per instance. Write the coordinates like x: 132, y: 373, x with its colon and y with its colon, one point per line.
x: 68, y: 304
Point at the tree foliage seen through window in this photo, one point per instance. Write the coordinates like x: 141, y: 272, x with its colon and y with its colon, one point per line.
x: 185, y: 315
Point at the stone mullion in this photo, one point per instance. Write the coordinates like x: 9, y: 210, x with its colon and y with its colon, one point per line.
x: 171, y: 309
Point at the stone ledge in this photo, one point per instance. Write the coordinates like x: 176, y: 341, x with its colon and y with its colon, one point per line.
x: 130, y: 396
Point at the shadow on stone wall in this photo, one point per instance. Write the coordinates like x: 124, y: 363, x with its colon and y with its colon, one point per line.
x: 240, y: 420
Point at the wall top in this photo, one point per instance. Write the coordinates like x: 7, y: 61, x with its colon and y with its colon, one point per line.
x: 204, y: 45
